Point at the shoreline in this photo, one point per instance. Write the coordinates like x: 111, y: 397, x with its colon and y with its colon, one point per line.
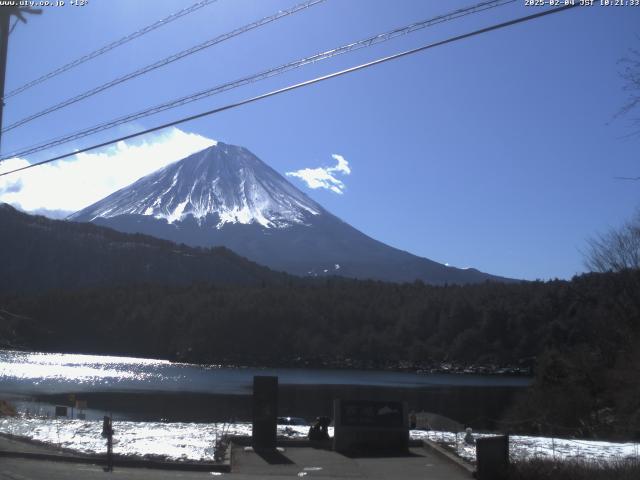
x: 307, y: 401
x: 523, y: 369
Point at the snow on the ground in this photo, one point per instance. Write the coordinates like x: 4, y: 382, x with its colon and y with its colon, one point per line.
x: 172, y: 441
x: 522, y: 447
x: 194, y: 441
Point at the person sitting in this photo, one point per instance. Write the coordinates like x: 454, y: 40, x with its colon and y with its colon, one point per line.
x: 320, y: 429
x: 324, y: 427
x: 314, y: 432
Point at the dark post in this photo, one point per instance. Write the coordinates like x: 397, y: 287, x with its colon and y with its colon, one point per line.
x: 5, y: 20
x: 492, y: 454
x: 107, y: 431
x: 265, y: 412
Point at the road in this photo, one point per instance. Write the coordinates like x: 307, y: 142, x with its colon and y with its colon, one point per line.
x: 21, y: 469
x: 247, y: 465
x: 289, y: 462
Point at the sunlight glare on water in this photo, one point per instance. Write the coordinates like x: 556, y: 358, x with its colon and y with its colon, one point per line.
x: 80, y: 370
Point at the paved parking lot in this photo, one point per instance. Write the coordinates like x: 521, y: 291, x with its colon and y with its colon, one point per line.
x: 287, y: 462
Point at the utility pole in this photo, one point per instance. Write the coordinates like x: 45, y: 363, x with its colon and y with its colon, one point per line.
x: 6, y: 12
x: 5, y: 21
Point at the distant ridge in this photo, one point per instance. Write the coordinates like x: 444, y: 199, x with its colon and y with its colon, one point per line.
x: 37, y: 253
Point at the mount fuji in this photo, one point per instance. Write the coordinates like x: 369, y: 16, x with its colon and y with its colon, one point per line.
x: 226, y: 196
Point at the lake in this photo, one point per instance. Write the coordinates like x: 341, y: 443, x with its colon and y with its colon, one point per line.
x: 148, y: 389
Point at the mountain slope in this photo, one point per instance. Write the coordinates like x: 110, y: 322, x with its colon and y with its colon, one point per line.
x: 225, y: 195
x: 244, y: 190
x: 37, y: 254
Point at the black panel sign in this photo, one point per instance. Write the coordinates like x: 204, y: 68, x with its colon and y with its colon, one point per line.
x: 265, y: 411
x: 371, y: 414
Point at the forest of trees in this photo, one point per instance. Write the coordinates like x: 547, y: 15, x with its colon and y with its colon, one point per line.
x: 582, y: 334
x: 37, y: 254
x: 86, y: 289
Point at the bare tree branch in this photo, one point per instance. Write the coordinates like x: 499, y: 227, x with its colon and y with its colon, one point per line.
x: 630, y: 73
x: 616, y: 250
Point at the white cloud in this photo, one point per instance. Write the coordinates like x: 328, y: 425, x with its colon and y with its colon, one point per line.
x: 343, y: 165
x: 70, y: 185
x: 324, y: 177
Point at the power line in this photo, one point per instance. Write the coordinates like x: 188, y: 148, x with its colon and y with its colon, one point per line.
x: 367, y: 42
x: 303, y: 84
x: 110, y: 46
x: 165, y: 61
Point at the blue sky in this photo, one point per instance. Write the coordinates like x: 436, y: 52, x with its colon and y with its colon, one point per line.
x: 497, y: 152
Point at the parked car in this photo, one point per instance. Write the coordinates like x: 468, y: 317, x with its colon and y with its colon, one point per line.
x: 292, y: 421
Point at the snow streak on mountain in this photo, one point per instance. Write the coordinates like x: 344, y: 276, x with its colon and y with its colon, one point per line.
x: 222, y: 180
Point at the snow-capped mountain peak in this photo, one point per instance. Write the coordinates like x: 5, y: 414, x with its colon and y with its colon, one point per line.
x: 226, y: 196
x: 223, y: 181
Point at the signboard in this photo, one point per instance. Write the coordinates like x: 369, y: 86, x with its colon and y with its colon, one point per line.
x: 371, y: 414
x: 366, y: 426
